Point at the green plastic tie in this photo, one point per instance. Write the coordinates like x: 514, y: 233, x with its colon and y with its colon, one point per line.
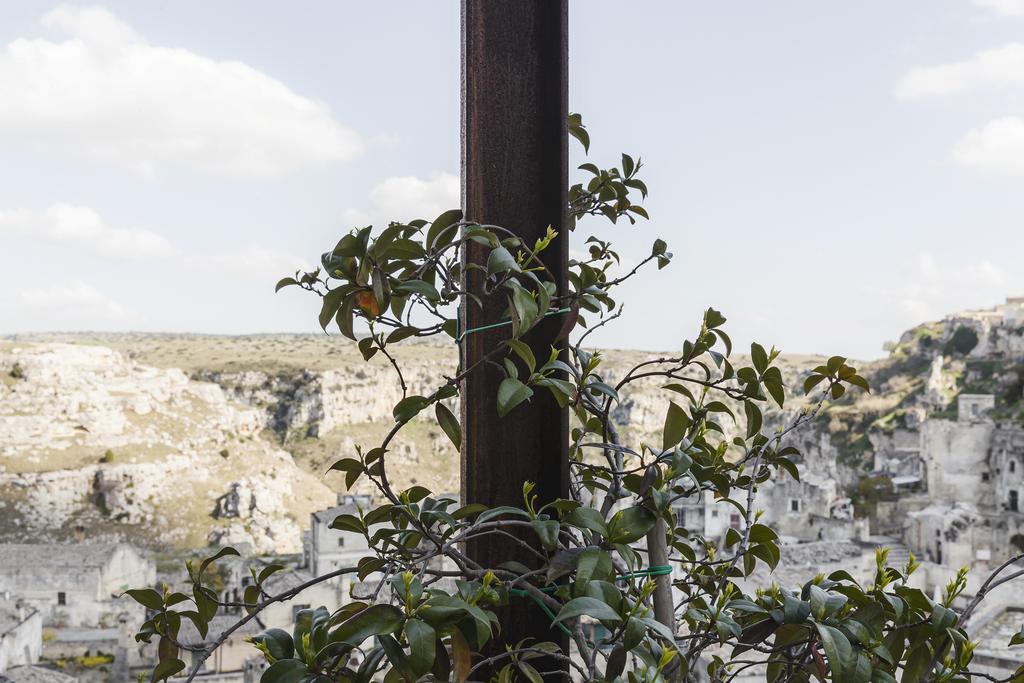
x: 460, y: 335
x: 471, y: 330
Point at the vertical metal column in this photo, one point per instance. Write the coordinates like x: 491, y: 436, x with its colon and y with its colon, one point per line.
x: 514, y: 174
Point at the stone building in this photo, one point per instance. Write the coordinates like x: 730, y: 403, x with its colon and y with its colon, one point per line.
x: 1008, y: 469
x: 229, y: 662
x: 702, y: 514
x: 21, y: 634
x: 811, y: 509
x: 970, y: 511
x: 331, y: 549
x: 973, y: 407
x: 327, y: 549
x: 76, y: 585
x: 282, y: 614
x: 954, y: 456
x: 35, y: 674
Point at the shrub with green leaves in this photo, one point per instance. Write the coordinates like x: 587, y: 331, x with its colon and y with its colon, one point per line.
x: 667, y: 599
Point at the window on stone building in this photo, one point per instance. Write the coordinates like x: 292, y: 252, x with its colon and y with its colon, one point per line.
x: 341, y: 541
x: 1013, y: 466
x: 794, y: 505
x: 1013, y: 501
x: 734, y: 520
x: 984, y: 476
x: 62, y: 598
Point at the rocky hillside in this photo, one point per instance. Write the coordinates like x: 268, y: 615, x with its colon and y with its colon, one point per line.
x: 970, y: 352
x: 92, y: 442
x: 100, y: 432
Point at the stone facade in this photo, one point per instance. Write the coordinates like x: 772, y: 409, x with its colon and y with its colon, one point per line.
x: 331, y: 549
x: 76, y: 585
x: 21, y: 633
x: 974, y: 407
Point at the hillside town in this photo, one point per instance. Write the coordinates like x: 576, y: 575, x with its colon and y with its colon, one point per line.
x: 942, y: 481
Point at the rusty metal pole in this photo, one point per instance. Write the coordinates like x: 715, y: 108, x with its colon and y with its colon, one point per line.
x: 514, y: 174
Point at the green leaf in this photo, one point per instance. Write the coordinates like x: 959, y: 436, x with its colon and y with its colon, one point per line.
x: 284, y: 671
x: 592, y: 564
x: 524, y: 308
x: 812, y: 381
x: 759, y: 533
x: 547, y: 532
x: 794, y: 610
x: 754, y: 419
x: 858, y: 381
x: 285, y: 282
x: 438, y: 229
x: 616, y: 662
x: 579, y: 131
x: 840, y: 654
x: 777, y: 392
x: 918, y: 663
x: 449, y: 424
x: 627, y: 165
x: 592, y: 607
x: 168, y: 667
x: 511, y: 392
x: 676, y: 424
x: 369, y: 666
x: 404, y: 249
x: 759, y: 357
x: 396, y: 657
x: 373, y: 621
x: 409, y: 407
x: 422, y: 650
x: 634, y: 633
x: 500, y: 261
x: 631, y: 524
x: 147, y: 597
x: 523, y: 350
x: 278, y: 643
x: 427, y: 290
x: 344, y: 317
x: 588, y: 518
x: 834, y: 363
x: 329, y: 306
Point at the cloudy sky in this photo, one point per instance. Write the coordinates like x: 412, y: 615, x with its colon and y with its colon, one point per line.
x: 827, y: 173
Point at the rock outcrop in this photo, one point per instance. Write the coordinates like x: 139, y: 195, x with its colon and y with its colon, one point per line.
x: 93, y: 443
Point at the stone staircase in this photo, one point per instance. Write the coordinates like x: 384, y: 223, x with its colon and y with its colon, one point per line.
x: 898, y: 553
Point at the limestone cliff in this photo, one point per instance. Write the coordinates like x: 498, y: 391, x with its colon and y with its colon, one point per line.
x: 99, y: 432
x: 93, y: 443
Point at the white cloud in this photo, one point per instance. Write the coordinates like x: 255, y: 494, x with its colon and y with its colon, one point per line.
x: 106, y: 94
x: 405, y: 198
x: 935, y: 289
x: 1012, y: 8
x: 991, y: 69
x: 253, y: 261
x: 73, y: 301
x: 83, y: 229
x: 998, y: 146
